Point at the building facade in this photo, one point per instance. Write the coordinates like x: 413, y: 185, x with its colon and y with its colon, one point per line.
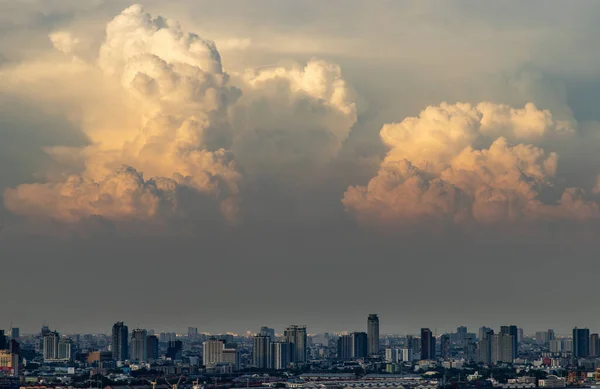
x: 373, y: 334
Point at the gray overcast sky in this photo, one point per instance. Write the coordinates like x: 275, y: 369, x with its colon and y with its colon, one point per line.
x: 320, y: 162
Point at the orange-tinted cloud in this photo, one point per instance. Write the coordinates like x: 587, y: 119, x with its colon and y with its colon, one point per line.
x: 466, y: 163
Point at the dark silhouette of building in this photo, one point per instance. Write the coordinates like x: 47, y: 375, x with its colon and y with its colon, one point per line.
x: 373, y: 334
x: 594, y: 345
x: 514, y: 332
x: 427, y: 344
x: 120, y: 343
x: 174, y: 350
x: 297, y: 336
x: 261, y: 352
x: 3, y: 341
x: 581, y: 342
x: 485, y: 345
x: 360, y: 345
x: 152, y: 347
x: 344, y: 347
x: 445, y: 346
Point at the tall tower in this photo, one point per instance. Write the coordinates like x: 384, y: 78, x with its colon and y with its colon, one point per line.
x: 139, y: 343
x: 297, y: 336
x: 373, y: 334
x: 120, y: 345
x: 427, y: 344
x: 282, y: 355
x: 581, y: 342
x: 50, y: 346
x: 261, y: 355
x: 212, y: 352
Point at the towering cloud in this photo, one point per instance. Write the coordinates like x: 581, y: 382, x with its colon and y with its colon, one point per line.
x: 158, y: 101
x: 292, y: 119
x: 463, y: 163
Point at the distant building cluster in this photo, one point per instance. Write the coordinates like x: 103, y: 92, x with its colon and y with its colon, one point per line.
x: 294, y: 358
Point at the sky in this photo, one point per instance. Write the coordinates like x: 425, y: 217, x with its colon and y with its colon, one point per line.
x: 232, y: 164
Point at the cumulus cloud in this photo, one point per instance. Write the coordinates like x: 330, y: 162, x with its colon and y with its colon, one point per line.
x: 124, y: 194
x: 292, y: 117
x: 175, y: 95
x: 459, y: 163
x: 157, y: 99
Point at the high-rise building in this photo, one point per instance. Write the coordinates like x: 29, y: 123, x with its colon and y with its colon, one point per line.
x: 483, y: 331
x: 445, y: 346
x: 231, y: 356
x: 261, y: 354
x: 567, y: 345
x: 556, y: 346
x: 427, y: 344
x: 581, y: 342
x: 282, y: 355
x: 266, y: 331
x: 212, y: 352
x: 514, y: 332
x: 175, y: 350
x: 139, y: 351
x: 65, y: 350
x: 3, y: 341
x: 594, y: 345
x: 407, y: 354
x: 152, y: 347
x: 502, y: 348
x: 344, y: 347
x: 485, y: 346
x: 373, y: 334
x: 461, y: 334
x: 50, y: 346
x: 551, y: 335
x: 297, y: 336
x: 520, y: 335
x: 192, y: 332
x: 15, y: 333
x: 120, y: 342
x: 392, y: 355
x: 360, y: 345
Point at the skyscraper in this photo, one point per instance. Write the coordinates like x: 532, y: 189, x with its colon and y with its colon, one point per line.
x: 152, y: 347
x: 360, y: 345
x: 65, y: 350
x: 581, y: 342
x: 212, y: 351
x: 427, y: 344
x: 282, y: 355
x: 344, y: 347
x: 445, y: 346
x: 514, y: 332
x: 139, y: 351
x: 175, y: 350
x: 192, y: 332
x: 485, y: 345
x: 502, y: 347
x: 15, y: 333
x: 373, y: 334
x: 50, y: 346
x: 594, y: 345
x: 297, y: 336
x: 266, y: 331
x: 261, y: 354
x: 120, y: 344
x: 3, y: 341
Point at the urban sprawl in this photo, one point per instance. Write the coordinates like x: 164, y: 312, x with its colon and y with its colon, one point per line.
x: 143, y: 359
